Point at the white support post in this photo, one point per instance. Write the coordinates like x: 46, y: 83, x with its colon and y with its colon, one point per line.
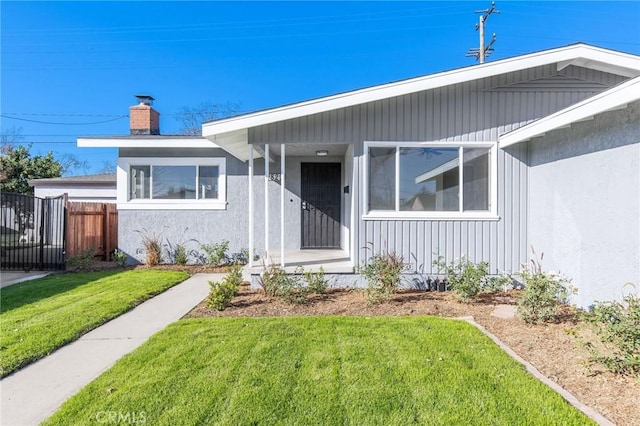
x: 251, y: 247
x: 266, y: 203
x: 282, y: 173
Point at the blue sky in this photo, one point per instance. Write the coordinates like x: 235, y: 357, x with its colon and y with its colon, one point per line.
x: 78, y: 64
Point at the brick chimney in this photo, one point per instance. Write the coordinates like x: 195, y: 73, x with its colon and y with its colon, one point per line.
x: 144, y: 120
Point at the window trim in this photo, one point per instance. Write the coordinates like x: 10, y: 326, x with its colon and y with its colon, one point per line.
x: 123, y: 185
x: 397, y: 214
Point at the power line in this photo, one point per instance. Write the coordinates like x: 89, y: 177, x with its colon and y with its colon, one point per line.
x: 118, y: 116
x: 271, y: 22
x: 62, y: 124
x: 51, y: 114
x: 240, y: 37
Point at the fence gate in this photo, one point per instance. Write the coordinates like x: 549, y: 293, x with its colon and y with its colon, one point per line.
x: 32, y: 233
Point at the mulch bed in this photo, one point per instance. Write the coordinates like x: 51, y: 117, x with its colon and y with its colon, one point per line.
x: 556, y: 349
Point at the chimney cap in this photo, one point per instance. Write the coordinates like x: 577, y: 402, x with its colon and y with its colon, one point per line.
x: 145, y: 99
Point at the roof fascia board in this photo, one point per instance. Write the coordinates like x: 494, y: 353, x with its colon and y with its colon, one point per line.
x: 38, y: 183
x: 611, y: 99
x: 432, y: 81
x: 146, y: 143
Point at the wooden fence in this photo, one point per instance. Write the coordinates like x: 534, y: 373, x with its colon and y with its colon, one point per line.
x: 92, y: 225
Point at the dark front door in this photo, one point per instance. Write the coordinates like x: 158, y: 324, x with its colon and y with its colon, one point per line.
x: 321, y: 195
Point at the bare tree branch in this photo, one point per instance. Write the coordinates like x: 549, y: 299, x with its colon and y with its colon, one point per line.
x: 191, y: 118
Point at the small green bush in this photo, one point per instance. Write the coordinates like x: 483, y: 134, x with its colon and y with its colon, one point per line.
x: 277, y: 283
x: 216, y: 253
x: 221, y: 293
x: 465, y: 278
x: 542, y: 294
x: 382, y: 272
x: 501, y: 282
x: 181, y: 254
x: 82, y: 261
x: 120, y: 258
x: 618, y: 326
x: 316, y: 282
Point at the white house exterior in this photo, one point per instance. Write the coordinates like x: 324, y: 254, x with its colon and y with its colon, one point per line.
x: 443, y: 164
x: 584, y: 191
x: 98, y: 188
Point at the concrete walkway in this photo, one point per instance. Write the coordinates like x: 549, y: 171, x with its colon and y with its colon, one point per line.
x: 8, y: 278
x: 34, y: 393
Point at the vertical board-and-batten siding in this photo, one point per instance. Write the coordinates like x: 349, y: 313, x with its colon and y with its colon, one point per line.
x: 477, y: 110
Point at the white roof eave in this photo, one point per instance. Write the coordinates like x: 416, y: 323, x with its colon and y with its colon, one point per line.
x: 132, y: 142
x: 611, y: 99
x: 235, y: 143
x: 626, y: 64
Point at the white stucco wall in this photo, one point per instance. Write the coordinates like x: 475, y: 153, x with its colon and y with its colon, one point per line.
x: 584, y: 204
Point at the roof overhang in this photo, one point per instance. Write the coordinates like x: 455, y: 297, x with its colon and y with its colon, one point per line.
x: 236, y: 143
x: 578, y: 54
x: 614, y: 98
x: 146, y: 142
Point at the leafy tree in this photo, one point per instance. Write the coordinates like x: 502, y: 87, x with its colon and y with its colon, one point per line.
x: 191, y: 118
x: 18, y: 166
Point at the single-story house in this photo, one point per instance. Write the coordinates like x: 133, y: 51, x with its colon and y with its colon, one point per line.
x: 484, y: 161
x: 97, y: 188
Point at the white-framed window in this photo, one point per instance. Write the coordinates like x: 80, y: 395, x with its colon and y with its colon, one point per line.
x: 430, y: 180
x: 171, y: 183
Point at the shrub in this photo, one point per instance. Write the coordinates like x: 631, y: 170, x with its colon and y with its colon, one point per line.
x: 542, y: 294
x: 82, y: 261
x: 221, y: 293
x: 382, y: 272
x: 277, y: 283
x: 177, y: 254
x: 465, y: 278
x: 120, y: 258
x: 498, y: 283
x: 181, y: 255
x: 618, y: 326
x: 152, y: 244
x: 316, y: 283
x: 216, y: 253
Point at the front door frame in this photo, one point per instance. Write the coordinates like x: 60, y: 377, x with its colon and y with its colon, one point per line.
x: 339, y: 217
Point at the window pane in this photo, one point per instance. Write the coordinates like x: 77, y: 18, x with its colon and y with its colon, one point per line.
x: 208, y: 182
x: 174, y: 182
x: 382, y: 176
x: 476, y: 179
x: 429, y: 179
x: 139, y: 184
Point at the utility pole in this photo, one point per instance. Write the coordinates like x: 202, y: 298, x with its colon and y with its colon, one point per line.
x: 483, y: 51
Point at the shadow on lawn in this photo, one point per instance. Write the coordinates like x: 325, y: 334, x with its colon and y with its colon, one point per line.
x: 27, y: 292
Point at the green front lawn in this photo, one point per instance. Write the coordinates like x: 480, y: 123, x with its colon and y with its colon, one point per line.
x: 39, y: 316
x: 319, y: 371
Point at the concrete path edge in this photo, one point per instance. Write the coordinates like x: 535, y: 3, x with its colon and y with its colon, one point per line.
x: 568, y: 396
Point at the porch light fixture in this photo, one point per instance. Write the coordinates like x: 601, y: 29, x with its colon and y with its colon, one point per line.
x: 322, y: 153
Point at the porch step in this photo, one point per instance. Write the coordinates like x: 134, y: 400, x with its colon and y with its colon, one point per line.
x: 345, y: 267
x: 331, y: 261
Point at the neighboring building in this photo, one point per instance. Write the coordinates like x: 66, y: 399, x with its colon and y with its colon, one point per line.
x: 98, y: 188
x: 451, y: 164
